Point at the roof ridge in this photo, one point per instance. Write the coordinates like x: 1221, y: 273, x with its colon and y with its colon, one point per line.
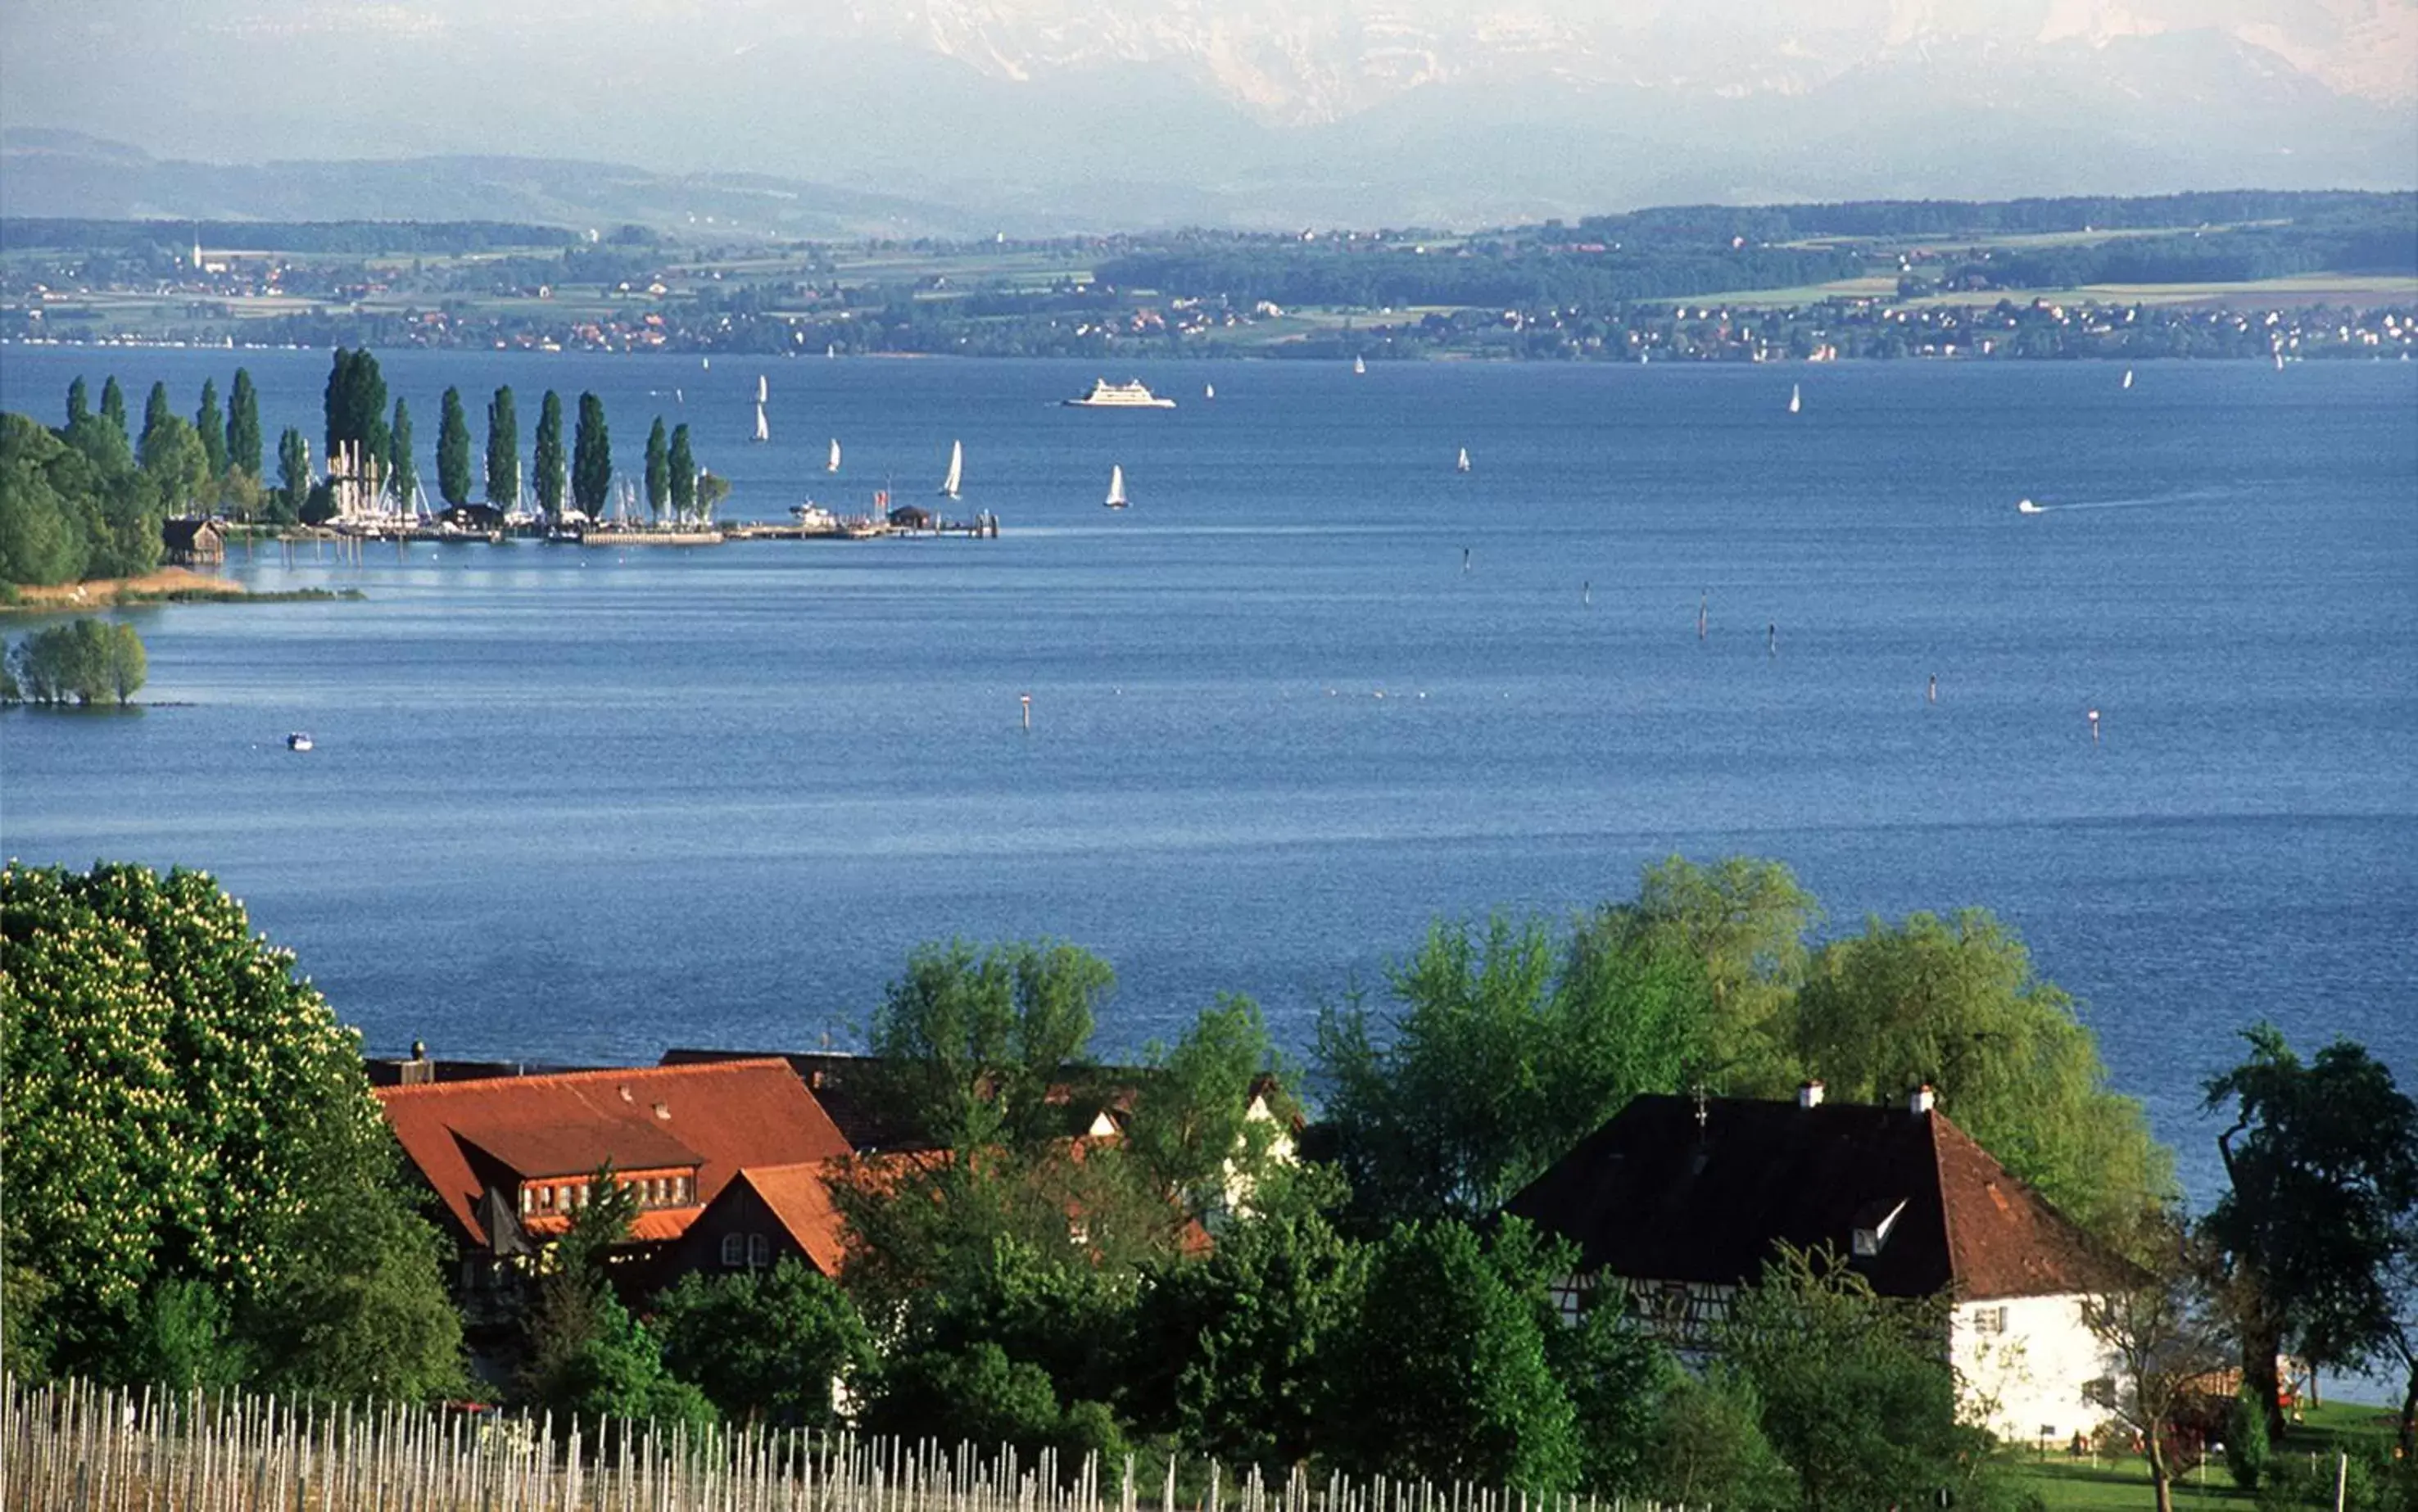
x: 595, y: 1074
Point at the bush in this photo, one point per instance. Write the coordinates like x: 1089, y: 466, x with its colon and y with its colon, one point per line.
x: 2246, y: 1450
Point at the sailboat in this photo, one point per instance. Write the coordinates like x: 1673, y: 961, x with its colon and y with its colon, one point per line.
x: 1462, y: 464
x: 763, y: 390
x: 1796, y: 400
x: 763, y: 432
x: 833, y: 466
x: 1208, y: 390
x: 1358, y: 366
x: 1116, y: 499
x: 2128, y: 377
x: 950, y: 484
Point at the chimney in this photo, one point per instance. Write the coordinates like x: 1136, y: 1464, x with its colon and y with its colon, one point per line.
x: 1920, y: 1099
x: 1809, y: 1094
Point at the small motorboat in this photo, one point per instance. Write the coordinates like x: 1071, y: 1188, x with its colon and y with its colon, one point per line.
x: 299, y: 740
x: 2025, y: 506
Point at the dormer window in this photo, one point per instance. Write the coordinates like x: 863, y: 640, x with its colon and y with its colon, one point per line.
x: 1872, y: 1230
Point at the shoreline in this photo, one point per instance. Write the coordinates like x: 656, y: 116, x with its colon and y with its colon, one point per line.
x: 168, y: 585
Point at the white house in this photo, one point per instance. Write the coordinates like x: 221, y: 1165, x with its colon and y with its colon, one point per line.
x: 1685, y: 1199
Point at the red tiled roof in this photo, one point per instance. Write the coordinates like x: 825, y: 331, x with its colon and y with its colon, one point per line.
x: 800, y: 1197
x: 722, y: 1117
x: 650, y: 1225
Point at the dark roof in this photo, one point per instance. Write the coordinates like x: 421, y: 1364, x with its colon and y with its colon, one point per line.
x: 183, y: 534
x: 1655, y: 1196
x: 718, y: 1117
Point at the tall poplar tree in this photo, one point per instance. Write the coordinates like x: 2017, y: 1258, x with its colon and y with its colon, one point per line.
x: 112, y: 403
x: 553, y: 475
x: 453, y: 451
x: 293, y: 472
x: 682, y: 464
x: 591, y: 458
x: 503, y: 450
x: 401, y: 470
x: 659, y: 469
x: 79, y: 400
x: 155, y: 409
x: 243, y: 424
x: 211, y: 426
x: 355, y: 404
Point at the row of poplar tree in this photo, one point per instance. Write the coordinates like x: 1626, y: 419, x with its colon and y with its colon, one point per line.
x: 356, y: 424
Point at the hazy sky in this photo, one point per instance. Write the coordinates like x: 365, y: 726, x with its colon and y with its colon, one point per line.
x: 1724, y: 98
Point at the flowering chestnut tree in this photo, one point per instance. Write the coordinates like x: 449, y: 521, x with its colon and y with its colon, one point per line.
x: 198, y: 1186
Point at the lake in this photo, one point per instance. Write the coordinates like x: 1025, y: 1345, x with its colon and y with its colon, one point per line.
x: 1314, y: 689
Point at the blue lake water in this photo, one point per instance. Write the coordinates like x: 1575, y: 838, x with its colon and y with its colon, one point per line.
x: 582, y: 804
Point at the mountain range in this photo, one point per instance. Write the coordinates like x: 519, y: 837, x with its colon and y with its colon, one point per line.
x: 829, y: 116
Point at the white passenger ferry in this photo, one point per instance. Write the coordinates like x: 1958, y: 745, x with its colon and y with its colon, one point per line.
x: 1106, y: 396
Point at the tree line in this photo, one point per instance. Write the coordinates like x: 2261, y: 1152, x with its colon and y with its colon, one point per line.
x: 86, y: 500
x: 1186, y: 1286
x: 83, y: 662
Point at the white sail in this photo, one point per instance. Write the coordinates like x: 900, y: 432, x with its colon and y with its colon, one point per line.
x: 833, y: 465
x: 957, y: 469
x: 763, y: 390
x: 1116, y: 499
x: 1358, y: 366
x: 1796, y: 400
x: 1208, y: 390
x: 763, y: 432
x: 1461, y: 463
x: 2128, y: 377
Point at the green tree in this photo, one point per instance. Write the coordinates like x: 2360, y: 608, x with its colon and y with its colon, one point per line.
x: 1229, y: 1349
x: 243, y: 425
x: 1708, y: 1448
x: 771, y: 1347
x: 1953, y: 1002
x: 212, y: 427
x: 1854, y: 1394
x: 78, y: 399
x: 164, y: 1058
x: 712, y: 489
x: 155, y: 409
x: 293, y: 475
x: 503, y: 450
x: 453, y: 451
x: 1746, y: 920
x: 113, y: 406
x: 85, y: 662
x: 403, y: 473
x: 979, y: 1396
x: 587, y: 1354
x: 553, y: 472
x: 1441, y: 1372
x: 1190, y: 1126
x: 975, y: 1045
x: 2321, y: 1164
x: 44, y: 485
x: 1505, y: 1049
x: 659, y: 469
x: 355, y: 406
x: 175, y: 462
x: 682, y: 465
x: 591, y: 459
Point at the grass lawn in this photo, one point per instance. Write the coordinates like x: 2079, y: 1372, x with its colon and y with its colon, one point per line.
x: 2125, y: 1483
x: 2087, y: 1485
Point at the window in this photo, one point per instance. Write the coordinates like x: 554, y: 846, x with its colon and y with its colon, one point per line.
x: 734, y: 1251
x: 1989, y: 1320
x: 760, y: 1250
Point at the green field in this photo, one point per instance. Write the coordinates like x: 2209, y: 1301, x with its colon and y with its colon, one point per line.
x: 2089, y: 1485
